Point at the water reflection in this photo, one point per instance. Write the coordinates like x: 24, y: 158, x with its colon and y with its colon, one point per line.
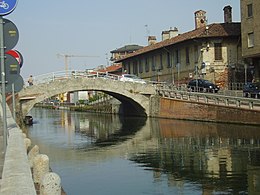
x: 220, y: 157
x: 187, y: 157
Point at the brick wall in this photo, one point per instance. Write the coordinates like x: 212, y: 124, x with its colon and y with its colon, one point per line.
x: 178, y: 109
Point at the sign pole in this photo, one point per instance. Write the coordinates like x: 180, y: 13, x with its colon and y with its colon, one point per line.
x: 2, y: 57
x: 13, y: 102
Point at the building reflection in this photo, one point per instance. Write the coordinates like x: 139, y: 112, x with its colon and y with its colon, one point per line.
x: 213, y: 155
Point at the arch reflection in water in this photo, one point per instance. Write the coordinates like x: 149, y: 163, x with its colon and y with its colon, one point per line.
x: 191, y: 157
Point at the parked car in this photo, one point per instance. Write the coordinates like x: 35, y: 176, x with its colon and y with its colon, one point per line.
x: 252, y: 90
x: 201, y: 85
x: 131, y: 78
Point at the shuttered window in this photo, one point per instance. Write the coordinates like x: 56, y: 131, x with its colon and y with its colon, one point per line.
x: 218, y: 51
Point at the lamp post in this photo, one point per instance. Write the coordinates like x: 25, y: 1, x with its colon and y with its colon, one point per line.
x: 2, y: 56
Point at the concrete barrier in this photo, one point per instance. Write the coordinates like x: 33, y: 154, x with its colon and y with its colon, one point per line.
x: 16, y: 176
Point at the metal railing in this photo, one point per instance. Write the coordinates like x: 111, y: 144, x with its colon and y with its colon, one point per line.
x: 236, y: 86
x: 62, y: 75
x: 211, y: 98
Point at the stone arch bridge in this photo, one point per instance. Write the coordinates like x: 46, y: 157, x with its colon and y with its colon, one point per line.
x: 135, y: 97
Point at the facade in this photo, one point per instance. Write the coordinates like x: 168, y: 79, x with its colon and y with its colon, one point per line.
x: 209, y: 51
x: 250, y: 33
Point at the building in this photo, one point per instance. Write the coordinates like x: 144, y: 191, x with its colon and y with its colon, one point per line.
x: 115, y: 69
x: 210, y: 51
x: 123, y: 51
x: 250, y: 33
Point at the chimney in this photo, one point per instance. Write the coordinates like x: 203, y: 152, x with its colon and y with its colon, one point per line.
x: 228, y: 14
x: 200, y: 19
x: 168, y: 34
x: 173, y: 32
x: 165, y: 35
x: 151, y: 40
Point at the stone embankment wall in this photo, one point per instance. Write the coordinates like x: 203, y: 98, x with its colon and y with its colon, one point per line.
x: 25, y: 173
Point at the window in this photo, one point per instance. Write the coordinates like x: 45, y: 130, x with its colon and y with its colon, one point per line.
x: 146, y: 65
x: 196, y: 53
x: 187, y: 55
x: 251, y: 39
x: 169, y: 64
x: 140, y: 66
x: 250, y: 10
x: 161, y: 62
x: 218, y: 51
x: 177, y: 57
x: 135, y: 68
x: 153, y: 63
x: 129, y: 67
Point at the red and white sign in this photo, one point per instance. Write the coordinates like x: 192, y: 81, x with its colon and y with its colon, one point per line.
x: 17, y: 55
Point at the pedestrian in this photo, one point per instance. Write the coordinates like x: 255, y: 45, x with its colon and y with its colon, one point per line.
x: 30, y: 80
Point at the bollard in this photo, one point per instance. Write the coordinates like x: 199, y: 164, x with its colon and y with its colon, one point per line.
x: 27, y: 143
x: 32, y: 154
x: 50, y: 184
x: 40, y: 167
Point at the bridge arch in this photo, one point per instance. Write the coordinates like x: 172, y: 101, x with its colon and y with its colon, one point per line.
x: 135, y: 97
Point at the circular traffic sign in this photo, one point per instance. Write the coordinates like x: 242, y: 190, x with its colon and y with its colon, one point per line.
x: 12, y: 73
x: 7, y: 6
x: 11, y: 66
x: 17, y: 55
x: 11, y: 34
x: 18, y: 82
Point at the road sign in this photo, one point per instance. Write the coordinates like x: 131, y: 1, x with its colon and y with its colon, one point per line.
x: 18, y: 84
x: 11, y: 34
x: 7, y: 6
x: 17, y: 55
x: 12, y: 72
x: 11, y: 66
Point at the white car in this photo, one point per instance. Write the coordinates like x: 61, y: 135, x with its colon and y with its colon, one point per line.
x: 131, y: 78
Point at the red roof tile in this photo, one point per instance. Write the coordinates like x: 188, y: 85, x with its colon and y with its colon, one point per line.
x: 112, y: 68
x: 214, y: 30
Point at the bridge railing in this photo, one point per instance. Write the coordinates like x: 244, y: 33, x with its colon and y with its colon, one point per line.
x: 211, y: 98
x: 61, y: 75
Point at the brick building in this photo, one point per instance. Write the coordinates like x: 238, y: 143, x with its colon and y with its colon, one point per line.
x: 210, y: 51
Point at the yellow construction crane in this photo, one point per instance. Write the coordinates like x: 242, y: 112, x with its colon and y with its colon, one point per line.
x: 66, y: 56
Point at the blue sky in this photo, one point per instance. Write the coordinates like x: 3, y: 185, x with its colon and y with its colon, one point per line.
x: 94, y: 28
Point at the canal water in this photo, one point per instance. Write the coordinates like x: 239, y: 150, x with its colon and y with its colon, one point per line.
x: 99, y: 154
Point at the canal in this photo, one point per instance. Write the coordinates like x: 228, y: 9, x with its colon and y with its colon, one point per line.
x: 106, y: 154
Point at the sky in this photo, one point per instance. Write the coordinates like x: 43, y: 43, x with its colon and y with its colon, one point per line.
x: 94, y: 28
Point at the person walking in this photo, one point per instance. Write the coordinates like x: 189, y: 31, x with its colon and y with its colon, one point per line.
x: 30, y: 80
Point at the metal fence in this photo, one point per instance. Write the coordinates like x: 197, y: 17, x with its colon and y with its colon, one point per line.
x: 62, y: 75
x: 211, y: 98
x: 236, y: 86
